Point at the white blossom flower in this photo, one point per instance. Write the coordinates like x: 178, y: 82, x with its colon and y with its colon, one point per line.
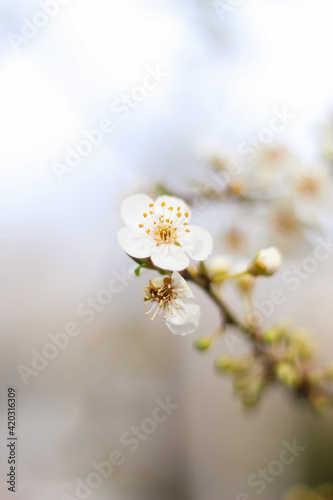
x: 274, y: 163
x: 171, y: 296
x: 312, y: 193
x: 266, y: 262
x: 161, y: 230
x: 265, y: 171
x: 285, y: 228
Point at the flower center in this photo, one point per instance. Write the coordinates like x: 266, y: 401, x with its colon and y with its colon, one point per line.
x: 235, y: 239
x: 165, y: 232
x: 285, y: 222
x: 308, y: 186
x: 161, y: 292
x: 165, y: 227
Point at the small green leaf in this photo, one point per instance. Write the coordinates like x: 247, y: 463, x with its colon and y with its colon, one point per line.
x: 162, y: 271
x: 137, y: 270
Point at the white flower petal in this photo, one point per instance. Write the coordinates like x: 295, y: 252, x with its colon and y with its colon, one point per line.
x: 180, y: 285
x: 136, y: 242
x: 185, y: 319
x: 172, y: 201
x: 198, y: 243
x: 133, y: 208
x: 169, y: 256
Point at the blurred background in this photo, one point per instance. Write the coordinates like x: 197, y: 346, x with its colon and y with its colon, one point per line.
x: 98, y: 100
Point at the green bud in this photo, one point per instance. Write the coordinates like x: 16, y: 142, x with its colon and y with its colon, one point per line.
x: 251, y: 395
x: 203, y: 343
x: 274, y: 335
x: 223, y: 363
x: 287, y: 373
x: 300, y: 346
x: 241, y: 383
x: 233, y: 364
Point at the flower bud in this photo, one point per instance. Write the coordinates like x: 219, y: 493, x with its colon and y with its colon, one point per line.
x: 218, y: 267
x: 233, y: 364
x: 301, y: 347
x: 251, y: 395
x: 274, y: 335
x: 246, y: 282
x: 287, y: 373
x: 203, y: 343
x: 266, y: 262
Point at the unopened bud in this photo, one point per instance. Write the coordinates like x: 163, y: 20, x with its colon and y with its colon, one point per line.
x: 287, y: 374
x: 251, y: 395
x: 233, y: 364
x: 266, y: 262
x: 274, y: 335
x: 218, y: 267
x: 246, y: 282
x: 203, y: 343
x: 300, y: 347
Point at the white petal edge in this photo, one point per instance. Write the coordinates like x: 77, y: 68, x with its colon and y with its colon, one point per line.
x: 198, y: 243
x: 170, y: 257
x: 133, y: 208
x: 184, y: 320
x: 136, y: 242
x: 182, y: 288
x: 172, y: 201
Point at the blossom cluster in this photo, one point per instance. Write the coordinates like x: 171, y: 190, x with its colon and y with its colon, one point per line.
x: 282, y: 199
x: 159, y: 235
